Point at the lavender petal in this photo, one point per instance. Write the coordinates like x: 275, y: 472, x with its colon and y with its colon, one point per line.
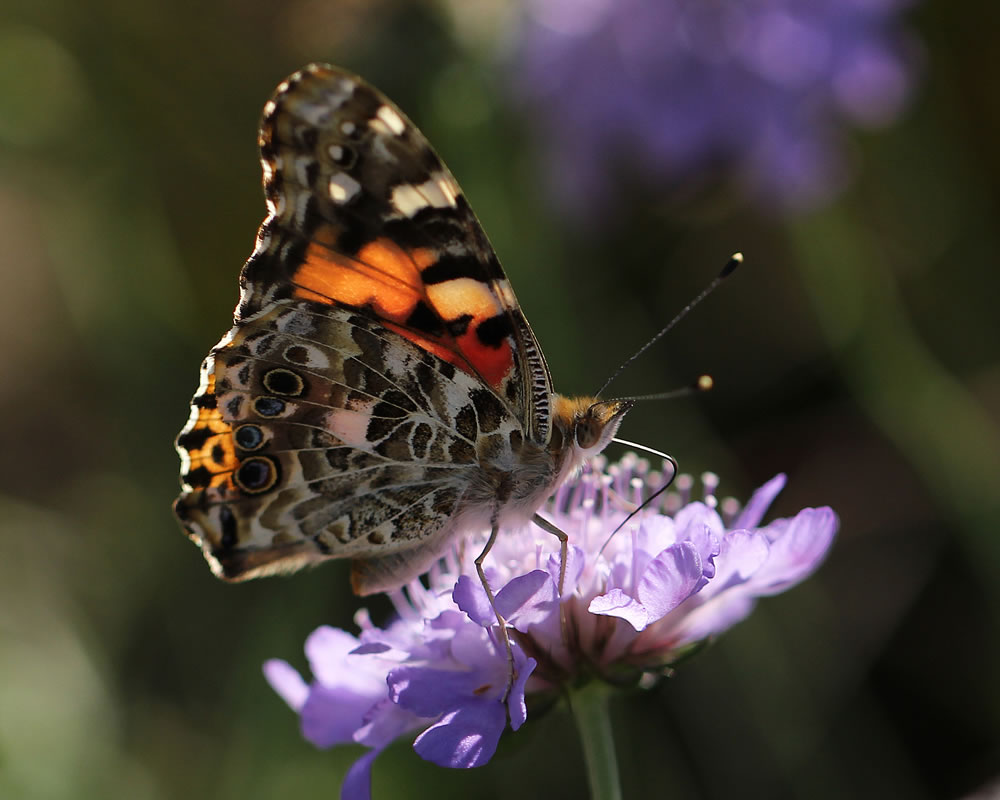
x: 758, y: 504
x: 464, y: 738
x: 287, y: 682
x: 669, y: 580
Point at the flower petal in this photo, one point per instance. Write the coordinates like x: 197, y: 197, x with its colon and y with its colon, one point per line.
x: 517, y: 708
x: 669, y: 579
x: 758, y: 504
x: 370, y: 648
x: 693, y: 516
x: 742, y: 554
x: 330, y: 716
x: 708, y: 544
x: 287, y: 682
x: 428, y: 692
x: 528, y: 599
x: 618, y: 604
x: 575, y: 562
x: 329, y: 653
x: 470, y: 596
x: 656, y: 533
x: 464, y: 738
x: 384, y: 722
x: 798, y: 551
x: 717, y: 615
x: 357, y: 783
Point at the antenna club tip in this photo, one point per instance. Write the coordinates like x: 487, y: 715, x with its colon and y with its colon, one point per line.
x: 734, y: 261
x: 704, y: 383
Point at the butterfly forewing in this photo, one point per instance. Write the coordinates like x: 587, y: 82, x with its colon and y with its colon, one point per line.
x: 363, y: 213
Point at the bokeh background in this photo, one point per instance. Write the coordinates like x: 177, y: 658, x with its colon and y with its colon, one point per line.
x: 617, y: 154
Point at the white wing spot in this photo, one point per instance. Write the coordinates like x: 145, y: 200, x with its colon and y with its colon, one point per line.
x: 438, y: 191
x: 407, y: 200
x: 448, y: 189
x: 347, y: 127
x: 336, y: 152
x: 391, y: 119
x: 343, y: 188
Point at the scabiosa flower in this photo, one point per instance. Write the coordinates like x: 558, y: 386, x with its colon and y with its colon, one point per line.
x: 674, y: 88
x: 632, y: 605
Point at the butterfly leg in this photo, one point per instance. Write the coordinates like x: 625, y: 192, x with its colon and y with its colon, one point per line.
x: 563, y: 538
x: 511, y: 669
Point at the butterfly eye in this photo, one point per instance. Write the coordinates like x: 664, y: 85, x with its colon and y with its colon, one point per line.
x: 588, y: 431
x: 596, y: 426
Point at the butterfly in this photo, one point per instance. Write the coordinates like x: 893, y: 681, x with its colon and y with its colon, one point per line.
x: 380, y: 396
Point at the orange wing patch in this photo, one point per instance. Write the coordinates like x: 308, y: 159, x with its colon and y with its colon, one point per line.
x: 387, y: 279
x: 383, y: 275
x: 210, y: 448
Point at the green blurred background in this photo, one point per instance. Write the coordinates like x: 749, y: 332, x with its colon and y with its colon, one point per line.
x: 857, y: 351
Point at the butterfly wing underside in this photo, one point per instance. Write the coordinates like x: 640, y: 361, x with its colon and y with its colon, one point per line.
x: 377, y: 353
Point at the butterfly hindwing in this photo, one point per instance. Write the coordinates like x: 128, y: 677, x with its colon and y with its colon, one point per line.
x: 319, y: 433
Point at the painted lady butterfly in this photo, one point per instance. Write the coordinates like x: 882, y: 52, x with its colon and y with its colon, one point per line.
x: 380, y: 393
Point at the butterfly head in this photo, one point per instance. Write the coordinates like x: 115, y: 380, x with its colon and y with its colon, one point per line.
x: 589, y: 424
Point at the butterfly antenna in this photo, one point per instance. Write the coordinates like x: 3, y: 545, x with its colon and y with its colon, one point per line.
x: 734, y: 261
x: 703, y: 383
x: 673, y: 475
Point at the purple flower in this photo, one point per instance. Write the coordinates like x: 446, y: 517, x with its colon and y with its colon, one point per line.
x: 673, y: 88
x: 632, y: 605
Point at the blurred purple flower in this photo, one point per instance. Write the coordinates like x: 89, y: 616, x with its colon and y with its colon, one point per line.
x: 631, y: 607
x: 673, y: 88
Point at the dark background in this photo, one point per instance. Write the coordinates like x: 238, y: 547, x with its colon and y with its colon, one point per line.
x: 857, y: 351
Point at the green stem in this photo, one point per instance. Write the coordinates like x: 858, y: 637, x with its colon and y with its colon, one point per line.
x: 590, y: 710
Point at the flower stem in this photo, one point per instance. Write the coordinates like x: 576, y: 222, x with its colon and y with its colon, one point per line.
x: 590, y: 710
